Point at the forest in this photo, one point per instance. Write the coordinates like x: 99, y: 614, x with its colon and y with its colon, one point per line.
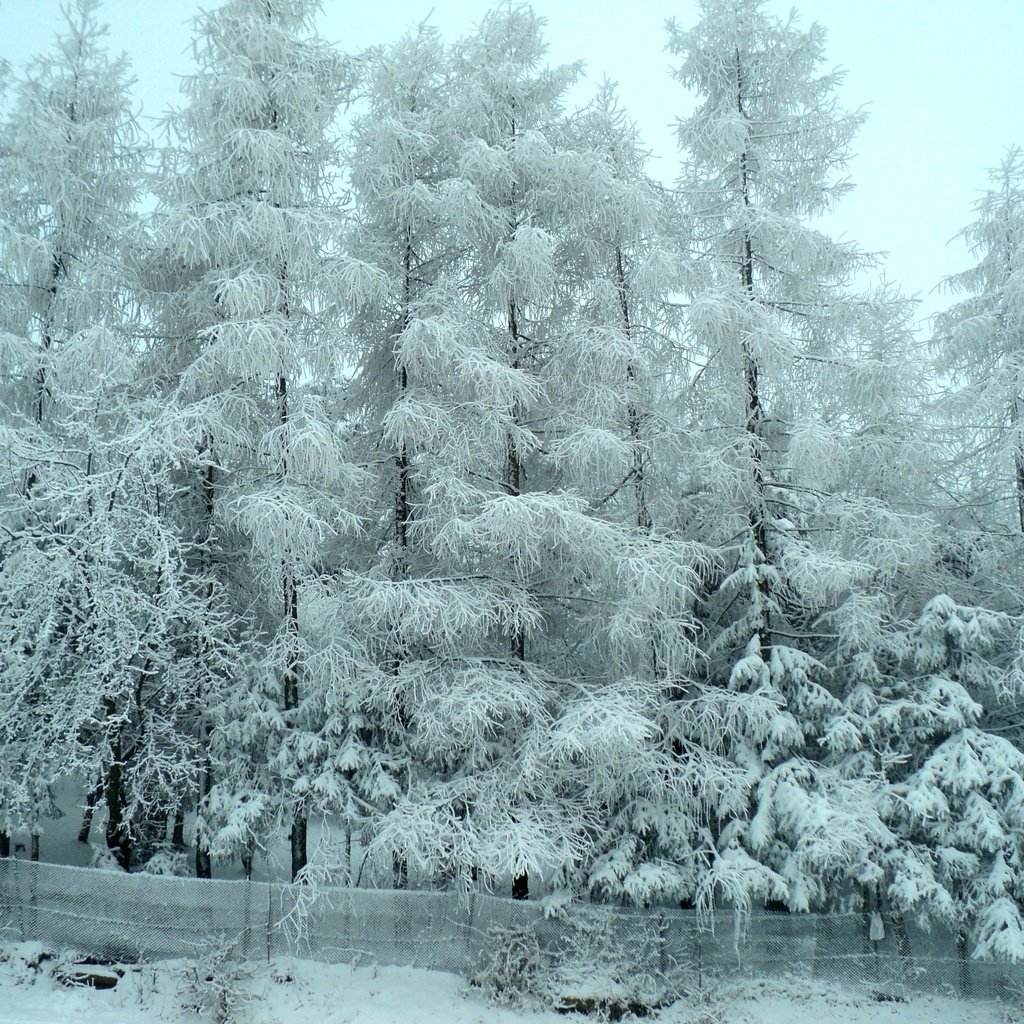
x: 383, y: 447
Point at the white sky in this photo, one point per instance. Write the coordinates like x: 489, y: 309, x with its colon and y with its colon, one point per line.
x: 942, y: 81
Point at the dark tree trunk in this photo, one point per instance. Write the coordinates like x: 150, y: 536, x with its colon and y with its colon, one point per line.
x: 299, y: 829
x: 757, y: 511
x: 400, y: 872
x: 513, y: 459
x: 91, y: 799
x: 178, y: 828
x: 204, y: 864
x: 5, y: 844
x: 514, y: 466
x: 118, y: 833
x: 34, y: 846
x: 521, y: 887
x: 298, y: 844
x: 247, y: 863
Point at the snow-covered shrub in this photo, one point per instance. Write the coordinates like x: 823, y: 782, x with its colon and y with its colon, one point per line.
x: 512, y: 965
x: 168, y: 860
x: 27, y: 956
x: 213, y: 986
x: 595, y: 966
x: 103, y: 857
x: 600, y: 967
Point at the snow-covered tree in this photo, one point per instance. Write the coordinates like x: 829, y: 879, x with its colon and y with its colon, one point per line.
x: 957, y: 797
x: 249, y: 223
x: 980, y: 344
x: 78, y: 509
x: 797, y: 384
x: 499, y: 377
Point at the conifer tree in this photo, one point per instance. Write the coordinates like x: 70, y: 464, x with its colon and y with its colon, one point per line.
x: 86, y: 560
x: 783, y: 396
x: 529, y: 704
x: 248, y: 219
x: 978, y: 342
x: 957, y: 800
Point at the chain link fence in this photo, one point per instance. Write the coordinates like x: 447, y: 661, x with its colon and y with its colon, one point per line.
x: 112, y: 916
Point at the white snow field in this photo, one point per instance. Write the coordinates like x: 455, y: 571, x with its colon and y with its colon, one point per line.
x: 300, y: 992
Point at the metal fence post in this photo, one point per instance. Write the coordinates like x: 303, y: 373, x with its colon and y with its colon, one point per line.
x: 270, y: 918
x: 18, y: 897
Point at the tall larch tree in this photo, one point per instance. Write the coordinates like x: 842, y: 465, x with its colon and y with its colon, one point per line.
x: 399, y: 252
x: 521, y: 418
x: 786, y: 419
x: 91, y: 609
x: 979, y: 341
x: 249, y: 222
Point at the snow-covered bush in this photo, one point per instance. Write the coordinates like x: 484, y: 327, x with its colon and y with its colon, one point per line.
x: 511, y: 966
x: 214, y: 987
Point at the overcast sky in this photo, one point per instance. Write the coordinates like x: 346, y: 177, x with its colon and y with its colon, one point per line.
x: 942, y: 81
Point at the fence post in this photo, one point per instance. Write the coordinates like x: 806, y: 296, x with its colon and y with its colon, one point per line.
x: 698, y: 953
x: 17, y: 896
x: 963, y: 961
x: 270, y: 918
x: 662, y: 946
x: 247, y: 920
x: 468, y: 935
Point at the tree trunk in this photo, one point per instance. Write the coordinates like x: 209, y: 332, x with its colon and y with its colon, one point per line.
x: 401, y: 518
x: 5, y: 844
x: 644, y: 522
x: 400, y: 872
x: 291, y: 703
x: 298, y: 843
x: 178, y: 828
x: 643, y: 514
x: 513, y: 461
x: 513, y: 465
x: 204, y: 865
x: 247, y: 863
x: 34, y: 846
x: 757, y: 511
x: 90, y: 808
x: 513, y: 483
x: 118, y: 835
x: 298, y: 837
x: 1018, y: 460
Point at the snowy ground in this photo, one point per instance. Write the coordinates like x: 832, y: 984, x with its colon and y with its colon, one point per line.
x: 300, y: 992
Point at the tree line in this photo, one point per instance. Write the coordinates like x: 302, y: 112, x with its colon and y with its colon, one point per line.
x: 390, y: 448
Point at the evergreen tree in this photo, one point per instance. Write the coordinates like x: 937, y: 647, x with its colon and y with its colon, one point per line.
x: 958, y: 789
x: 513, y: 685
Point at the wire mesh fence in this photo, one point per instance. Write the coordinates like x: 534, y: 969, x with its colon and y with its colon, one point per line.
x: 121, y: 917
